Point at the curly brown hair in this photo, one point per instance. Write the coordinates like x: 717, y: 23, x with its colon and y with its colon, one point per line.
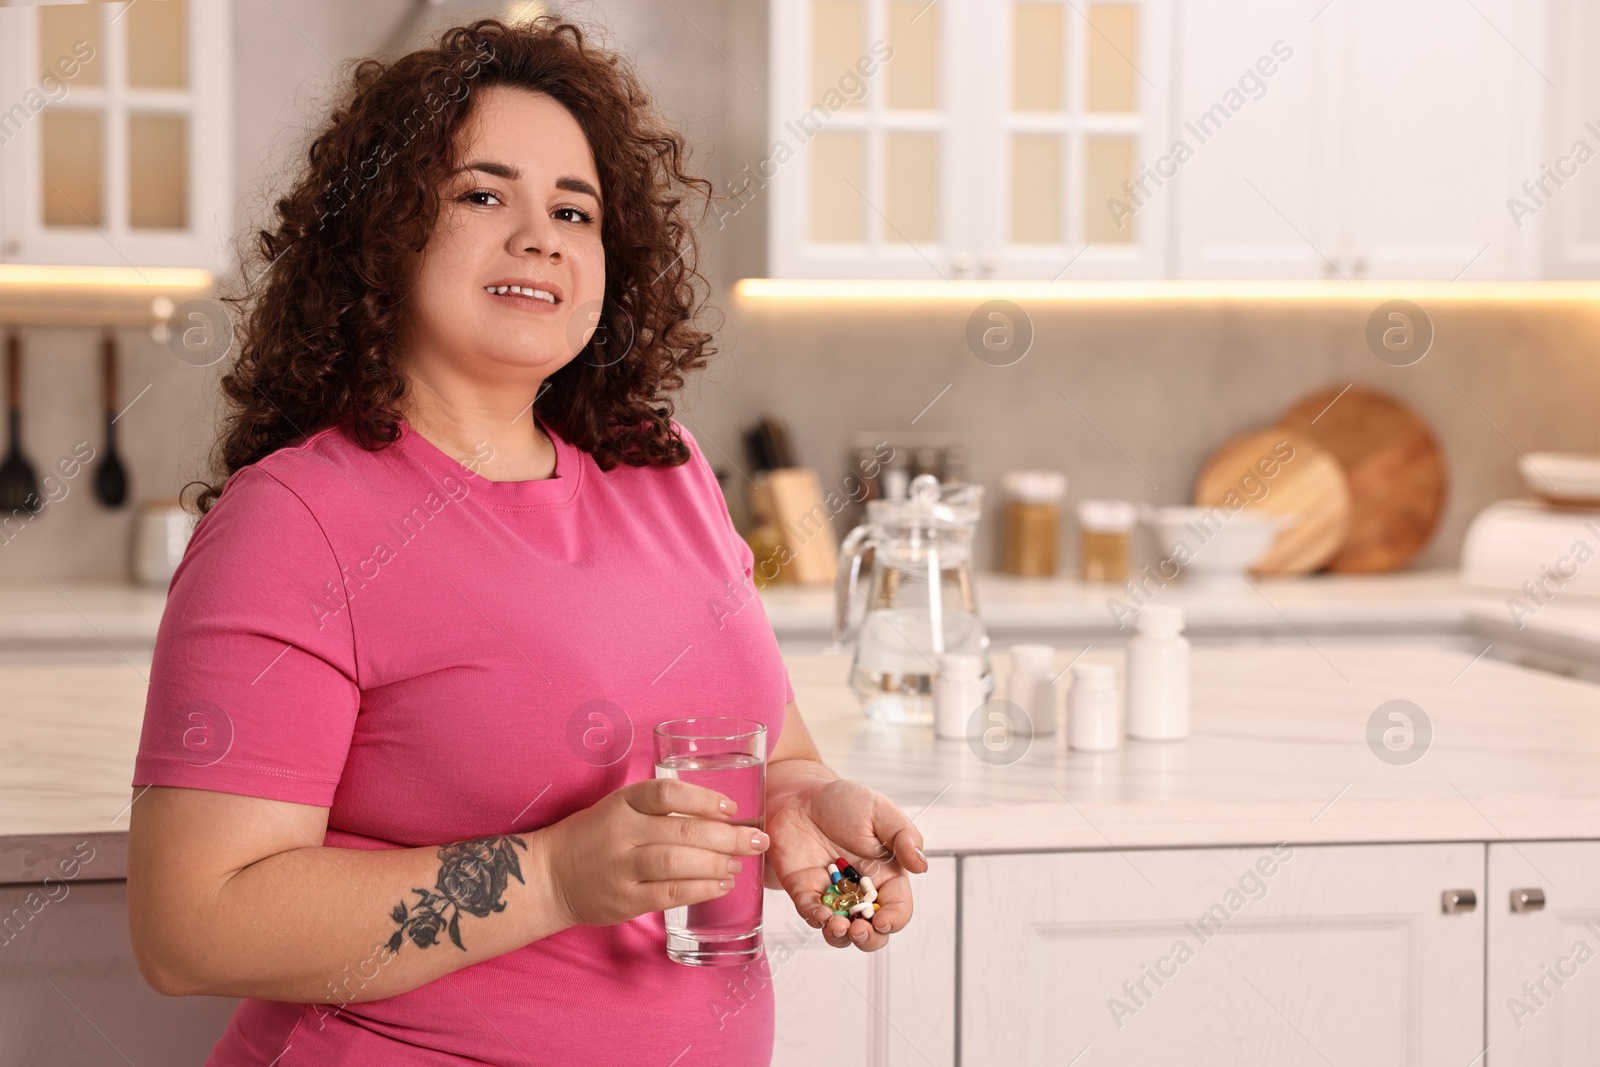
x: 322, y: 315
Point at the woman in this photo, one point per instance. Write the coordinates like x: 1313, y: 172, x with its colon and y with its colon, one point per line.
x: 395, y: 786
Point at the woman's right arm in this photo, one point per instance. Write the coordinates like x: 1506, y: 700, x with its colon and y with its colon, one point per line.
x: 235, y: 896
x: 232, y: 895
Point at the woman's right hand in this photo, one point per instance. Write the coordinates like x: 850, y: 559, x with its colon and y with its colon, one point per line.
x: 651, y: 845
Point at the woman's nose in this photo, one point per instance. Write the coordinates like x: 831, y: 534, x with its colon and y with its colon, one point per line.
x: 537, y: 236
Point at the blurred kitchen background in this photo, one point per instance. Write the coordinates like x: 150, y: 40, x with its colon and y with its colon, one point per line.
x: 1328, y: 149
x: 983, y: 147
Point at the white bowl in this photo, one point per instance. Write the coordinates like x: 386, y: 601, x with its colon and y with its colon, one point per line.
x: 1210, y: 543
x: 1562, y: 476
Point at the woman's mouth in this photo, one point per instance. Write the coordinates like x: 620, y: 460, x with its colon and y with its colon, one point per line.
x: 526, y: 298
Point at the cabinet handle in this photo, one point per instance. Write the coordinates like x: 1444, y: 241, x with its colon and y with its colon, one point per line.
x: 1527, y: 900
x: 1454, y: 900
x: 962, y: 262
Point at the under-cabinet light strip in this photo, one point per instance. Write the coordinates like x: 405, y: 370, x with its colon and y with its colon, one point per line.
x: 152, y: 279
x: 858, y: 289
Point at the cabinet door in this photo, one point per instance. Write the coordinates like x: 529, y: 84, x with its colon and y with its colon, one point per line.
x: 71, y: 994
x: 966, y: 139
x: 1438, y: 118
x: 1309, y: 955
x: 1257, y: 192
x: 117, y: 148
x: 1562, y: 205
x: 1544, y: 958
x: 891, y: 1008
x: 1071, y: 137
x: 868, y: 152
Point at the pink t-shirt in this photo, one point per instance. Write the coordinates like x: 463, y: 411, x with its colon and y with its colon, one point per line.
x: 435, y: 657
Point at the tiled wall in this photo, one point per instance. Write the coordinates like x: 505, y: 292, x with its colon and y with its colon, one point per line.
x: 1157, y: 387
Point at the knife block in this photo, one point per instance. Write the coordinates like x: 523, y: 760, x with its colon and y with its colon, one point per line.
x: 790, y: 500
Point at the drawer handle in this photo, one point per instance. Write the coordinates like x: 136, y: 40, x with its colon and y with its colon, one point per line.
x: 1527, y: 900
x: 1457, y: 900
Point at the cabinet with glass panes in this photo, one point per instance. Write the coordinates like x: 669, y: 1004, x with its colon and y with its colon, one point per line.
x: 1204, y: 139
x: 114, y: 134
x: 966, y: 138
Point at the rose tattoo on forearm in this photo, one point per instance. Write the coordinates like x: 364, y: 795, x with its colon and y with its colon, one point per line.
x: 473, y: 876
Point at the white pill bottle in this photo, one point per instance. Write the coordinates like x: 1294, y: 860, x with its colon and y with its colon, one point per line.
x: 1158, y: 676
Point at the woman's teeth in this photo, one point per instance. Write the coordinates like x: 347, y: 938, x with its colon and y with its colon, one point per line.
x: 500, y: 290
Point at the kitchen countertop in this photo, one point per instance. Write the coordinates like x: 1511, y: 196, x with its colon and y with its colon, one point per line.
x: 56, y: 619
x: 1278, y: 749
x: 1406, y: 602
x: 43, y: 613
x: 1278, y: 752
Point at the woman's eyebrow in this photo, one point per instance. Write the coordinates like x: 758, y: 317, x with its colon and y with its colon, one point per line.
x: 578, y: 185
x: 509, y: 173
x: 496, y: 170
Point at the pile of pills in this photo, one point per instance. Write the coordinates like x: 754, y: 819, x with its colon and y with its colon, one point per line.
x: 851, y: 894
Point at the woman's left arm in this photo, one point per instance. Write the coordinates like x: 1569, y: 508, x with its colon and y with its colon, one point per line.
x: 813, y: 815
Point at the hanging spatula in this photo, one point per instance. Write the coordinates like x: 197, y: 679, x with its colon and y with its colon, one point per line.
x: 110, y: 480
x: 19, y: 486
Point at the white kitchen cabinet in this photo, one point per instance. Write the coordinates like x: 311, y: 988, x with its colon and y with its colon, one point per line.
x: 1375, y: 140
x: 1329, y: 954
x: 895, y: 150
x: 1561, y: 207
x: 1152, y: 138
x: 889, y: 1008
x: 1064, y: 141
x: 117, y: 146
x: 1258, y: 196
x: 1543, y: 912
x: 1439, y: 119
x: 71, y: 994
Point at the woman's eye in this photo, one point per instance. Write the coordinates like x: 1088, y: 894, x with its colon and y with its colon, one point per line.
x: 481, y: 197
x: 583, y: 216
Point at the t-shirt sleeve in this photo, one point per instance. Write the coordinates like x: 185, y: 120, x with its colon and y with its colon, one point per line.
x: 711, y: 491
x: 253, y: 684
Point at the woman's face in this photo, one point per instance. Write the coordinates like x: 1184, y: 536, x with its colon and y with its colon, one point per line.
x: 523, y: 211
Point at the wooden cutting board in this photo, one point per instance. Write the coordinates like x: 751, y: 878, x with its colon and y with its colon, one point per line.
x: 1290, y: 475
x: 1395, y: 467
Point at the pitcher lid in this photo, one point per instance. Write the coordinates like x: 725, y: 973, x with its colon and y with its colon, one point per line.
x: 928, y: 503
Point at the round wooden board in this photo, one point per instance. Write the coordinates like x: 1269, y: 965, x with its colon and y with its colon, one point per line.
x: 1292, y: 476
x: 1395, y: 467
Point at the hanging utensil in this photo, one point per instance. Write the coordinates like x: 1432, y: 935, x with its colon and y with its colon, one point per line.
x: 19, y: 486
x: 110, y: 480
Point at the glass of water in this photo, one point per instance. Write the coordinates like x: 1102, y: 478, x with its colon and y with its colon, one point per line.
x: 730, y: 756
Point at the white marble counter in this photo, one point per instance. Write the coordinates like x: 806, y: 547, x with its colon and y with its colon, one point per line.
x: 60, y: 619
x: 107, y: 619
x: 1409, y: 602
x: 1278, y: 752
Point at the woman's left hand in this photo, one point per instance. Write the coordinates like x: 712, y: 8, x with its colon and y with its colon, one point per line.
x: 812, y: 826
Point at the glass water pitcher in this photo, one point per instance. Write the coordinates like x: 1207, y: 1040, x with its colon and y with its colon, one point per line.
x: 916, y: 600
